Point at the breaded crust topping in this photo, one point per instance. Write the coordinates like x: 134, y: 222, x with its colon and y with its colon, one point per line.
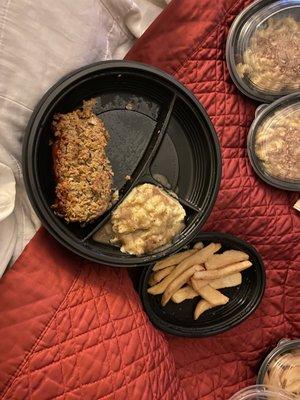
x: 82, y: 170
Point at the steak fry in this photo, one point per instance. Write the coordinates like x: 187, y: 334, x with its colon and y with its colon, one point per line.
x: 219, y: 273
x: 201, y: 307
x: 226, y: 258
x: 178, y: 283
x: 173, y: 260
x: 213, y: 296
x: 195, y: 259
x: 185, y: 293
x: 199, y: 273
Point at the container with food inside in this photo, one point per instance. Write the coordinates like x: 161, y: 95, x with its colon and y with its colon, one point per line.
x: 262, y: 392
x: 121, y: 163
x: 281, y: 368
x: 263, y: 49
x: 274, y: 143
x: 82, y: 170
x: 204, y: 289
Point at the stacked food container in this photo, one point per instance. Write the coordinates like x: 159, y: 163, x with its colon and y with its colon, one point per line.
x: 279, y: 375
x: 263, y: 58
x: 263, y: 53
x: 261, y: 392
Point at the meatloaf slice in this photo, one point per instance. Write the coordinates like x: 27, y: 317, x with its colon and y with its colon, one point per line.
x: 82, y: 170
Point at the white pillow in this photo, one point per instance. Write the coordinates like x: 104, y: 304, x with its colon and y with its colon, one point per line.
x: 40, y: 41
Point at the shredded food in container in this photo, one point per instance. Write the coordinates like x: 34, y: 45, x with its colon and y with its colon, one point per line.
x: 272, y: 60
x: 278, y: 145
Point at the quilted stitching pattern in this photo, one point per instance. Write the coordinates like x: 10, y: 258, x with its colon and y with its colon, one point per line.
x: 217, y: 367
x: 98, y: 343
x: 86, y: 335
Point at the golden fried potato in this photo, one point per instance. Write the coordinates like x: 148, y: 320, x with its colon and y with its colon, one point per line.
x: 197, y: 258
x: 178, y: 283
x: 227, y: 258
x: 173, y: 260
x: 219, y: 273
x: 152, y: 281
x: 210, y: 294
x: 159, y: 275
x: 198, y: 246
x: 185, y: 293
x: 201, y: 307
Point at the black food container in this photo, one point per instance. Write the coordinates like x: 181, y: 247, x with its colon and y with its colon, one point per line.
x: 157, y: 127
x: 177, y: 319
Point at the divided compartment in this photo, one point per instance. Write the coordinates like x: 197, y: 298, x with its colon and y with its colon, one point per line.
x: 124, y: 109
x: 143, y: 174
x: 156, y: 127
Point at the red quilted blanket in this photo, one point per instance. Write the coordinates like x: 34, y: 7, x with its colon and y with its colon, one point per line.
x: 71, y: 329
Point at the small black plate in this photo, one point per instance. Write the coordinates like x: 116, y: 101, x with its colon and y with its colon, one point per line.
x: 177, y: 319
x: 156, y: 126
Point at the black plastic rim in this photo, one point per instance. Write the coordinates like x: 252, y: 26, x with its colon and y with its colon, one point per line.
x: 29, y: 154
x: 232, y: 38
x: 246, y: 309
x: 279, y: 350
x: 280, y: 184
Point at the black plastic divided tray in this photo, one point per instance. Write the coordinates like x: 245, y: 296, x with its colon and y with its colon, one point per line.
x: 156, y: 126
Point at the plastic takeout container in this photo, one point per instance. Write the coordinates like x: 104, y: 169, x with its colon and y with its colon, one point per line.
x: 157, y: 128
x: 177, y: 319
x: 274, y: 143
x: 281, y: 368
x: 263, y: 51
x: 261, y: 392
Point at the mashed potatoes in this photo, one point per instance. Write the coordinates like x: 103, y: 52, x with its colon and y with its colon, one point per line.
x: 147, y: 219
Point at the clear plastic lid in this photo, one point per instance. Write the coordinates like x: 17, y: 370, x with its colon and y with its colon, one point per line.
x: 281, y: 369
x: 274, y: 143
x: 261, y: 392
x: 263, y: 49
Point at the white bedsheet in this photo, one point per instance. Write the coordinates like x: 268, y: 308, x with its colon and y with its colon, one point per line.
x: 40, y: 41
